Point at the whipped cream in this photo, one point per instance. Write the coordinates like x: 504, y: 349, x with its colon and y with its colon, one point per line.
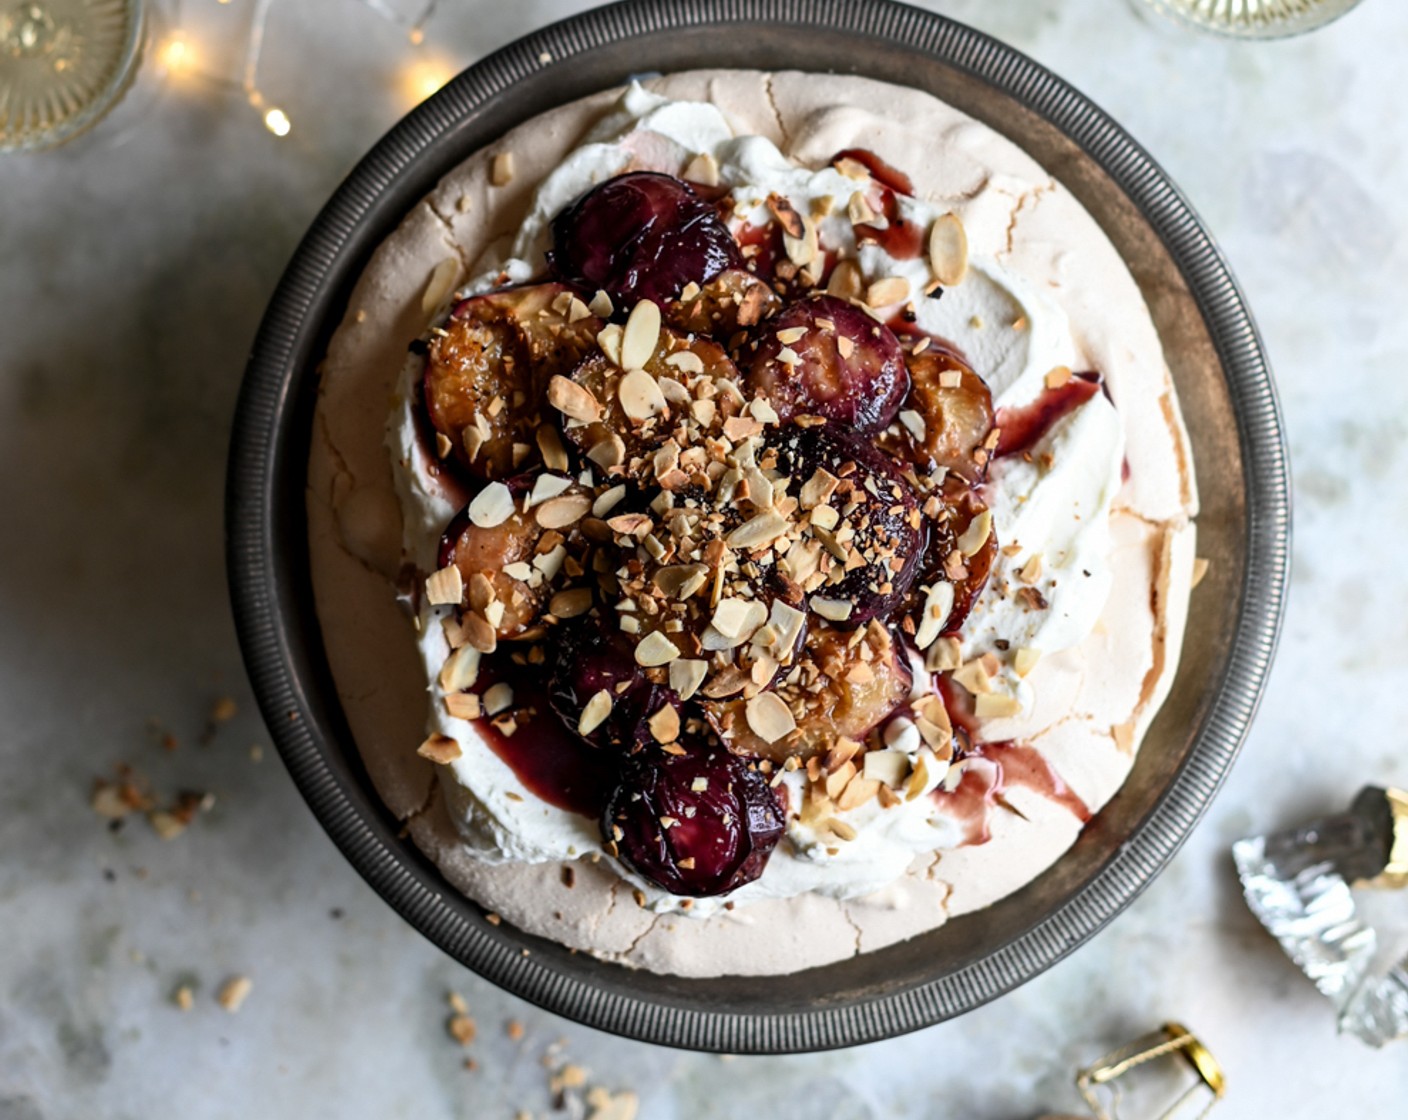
x: 1054, y: 503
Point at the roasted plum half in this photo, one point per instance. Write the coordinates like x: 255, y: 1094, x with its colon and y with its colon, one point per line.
x: 955, y: 406
x: 822, y: 356
x: 699, y: 823
x: 511, y: 568
x: 865, y: 533
x: 733, y: 301
x: 486, y: 371
x: 846, y: 684
x: 591, y: 658
x: 635, y: 414
x: 642, y: 235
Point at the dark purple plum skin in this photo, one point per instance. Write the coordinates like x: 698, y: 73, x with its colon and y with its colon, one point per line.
x: 641, y: 235
x: 863, y: 390
x: 892, y: 527
x: 728, y: 829
x: 590, y: 657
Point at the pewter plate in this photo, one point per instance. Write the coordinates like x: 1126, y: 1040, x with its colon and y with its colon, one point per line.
x: 1228, y: 399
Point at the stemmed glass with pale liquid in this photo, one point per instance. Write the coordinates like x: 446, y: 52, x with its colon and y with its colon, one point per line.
x: 63, y: 65
x: 1256, y: 19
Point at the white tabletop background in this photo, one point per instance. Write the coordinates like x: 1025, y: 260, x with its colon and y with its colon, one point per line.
x: 134, y: 265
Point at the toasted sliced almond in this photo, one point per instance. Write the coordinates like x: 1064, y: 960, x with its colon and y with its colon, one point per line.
x: 656, y: 649
x: 943, y: 656
x: 594, y: 712
x: 1025, y: 660
x: 948, y: 250
x: 937, y: 605
x: 834, y: 610
x: 1058, y: 377
x: 769, y: 718
x: 839, y: 828
x: 441, y: 284
x: 439, y: 748
x: 686, y: 675
x: 498, y: 698
x: 550, y: 447
x: 571, y: 603
x: 560, y: 512
x: 641, y: 335
x: 445, y: 587
x: 818, y: 488
x: 703, y: 169
x: 858, y: 791
x: 738, y: 618
x: 858, y: 209
x: 886, y: 291
x: 492, y: 506
x: 686, y: 360
x: 975, y: 677
x: 1031, y: 570
x: 976, y: 535
x: 758, y: 531
x: 889, y: 767
x: 1200, y: 570
x: 478, y: 633
x: 846, y: 281
x: 573, y: 400
x: 463, y: 705
x: 665, y: 724
x: 640, y: 395
x: 804, y: 249
x: 601, y: 305
x: 461, y: 669
x: 609, y: 452
x: 546, y: 486
x: 996, y: 705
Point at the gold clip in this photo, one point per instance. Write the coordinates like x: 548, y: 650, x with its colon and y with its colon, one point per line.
x: 1395, y: 873
x: 1171, y: 1039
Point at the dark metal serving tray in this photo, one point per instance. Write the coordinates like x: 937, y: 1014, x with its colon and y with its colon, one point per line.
x: 1223, y: 382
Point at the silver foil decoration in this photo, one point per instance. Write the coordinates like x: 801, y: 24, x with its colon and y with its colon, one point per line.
x: 1298, y: 883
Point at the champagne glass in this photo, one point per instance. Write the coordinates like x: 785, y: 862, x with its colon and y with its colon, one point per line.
x: 1255, y: 19
x: 63, y: 65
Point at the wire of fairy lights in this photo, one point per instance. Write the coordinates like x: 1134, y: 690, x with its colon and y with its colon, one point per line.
x: 177, y: 53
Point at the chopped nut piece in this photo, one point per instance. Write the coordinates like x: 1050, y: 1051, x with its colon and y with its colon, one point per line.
x: 462, y: 1028
x: 686, y: 360
x: 478, y: 633
x: 1058, y: 377
x: 445, y: 587
x: 839, y: 828
x: 233, y: 993
x: 498, y: 698
x: 656, y: 649
x: 463, y: 705
x: 858, y: 791
x: 492, y: 506
x: 686, y: 675
x: 1200, y: 569
x: 573, y: 400
x: 914, y: 424
x: 501, y: 173
x: 439, y: 748
x: 803, y: 249
x: 184, y: 998
x: 738, y: 618
x: 609, y: 452
x: 769, y: 717
x: 443, y: 445
x: 845, y: 282
x: 948, y: 250
x: 594, y: 712
x: 887, y: 291
x: 974, y: 676
x: 1031, y: 570
x: 601, y: 306
x: 1123, y: 734
x: 640, y: 395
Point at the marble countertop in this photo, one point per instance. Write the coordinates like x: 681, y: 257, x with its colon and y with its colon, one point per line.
x: 134, y: 265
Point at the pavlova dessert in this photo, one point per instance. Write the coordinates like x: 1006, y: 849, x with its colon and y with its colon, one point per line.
x: 745, y: 536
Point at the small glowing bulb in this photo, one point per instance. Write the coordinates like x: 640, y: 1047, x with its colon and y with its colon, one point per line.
x: 277, y: 122
x: 425, y: 77
x: 175, y: 55
x: 417, y: 36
